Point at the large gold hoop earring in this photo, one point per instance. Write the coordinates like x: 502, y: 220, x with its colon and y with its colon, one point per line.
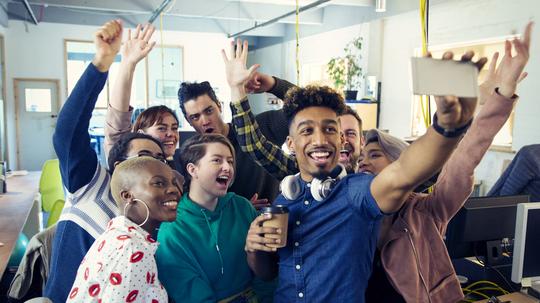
x: 145, y: 206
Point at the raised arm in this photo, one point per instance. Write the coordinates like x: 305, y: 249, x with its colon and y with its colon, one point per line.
x: 427, y: 154
x: 456, y: 180
x: 71, y: 140
x: 78, y: 161
x: 118, y: 118
x: 272, y: 123
x: 263, y: 83
x: 252, y: 141
x: 265, y: 153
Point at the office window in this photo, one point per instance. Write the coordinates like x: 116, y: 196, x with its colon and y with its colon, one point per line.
x: 155, y: 82
x: 78, y: 55
x: 38, y: 100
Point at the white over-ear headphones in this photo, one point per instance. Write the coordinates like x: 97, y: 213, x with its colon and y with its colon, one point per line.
x: 320, y: 188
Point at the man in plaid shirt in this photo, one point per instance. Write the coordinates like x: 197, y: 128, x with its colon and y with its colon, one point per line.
x: 270, y: 156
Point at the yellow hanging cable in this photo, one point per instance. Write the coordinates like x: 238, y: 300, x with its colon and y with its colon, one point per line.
x: 162, y: 53
x: 423, y: 25
x: 424, y: 100
x: 297, y: 45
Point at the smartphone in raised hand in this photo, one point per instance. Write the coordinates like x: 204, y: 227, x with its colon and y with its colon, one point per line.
x: 439, y: 77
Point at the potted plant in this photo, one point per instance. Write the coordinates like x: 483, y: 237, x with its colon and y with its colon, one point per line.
x: 345, y: 71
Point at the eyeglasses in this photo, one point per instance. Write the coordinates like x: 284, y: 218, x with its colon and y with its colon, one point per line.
x: 159, y: 157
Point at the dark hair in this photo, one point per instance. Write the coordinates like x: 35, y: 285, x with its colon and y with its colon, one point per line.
x: 194, y: 150
x: 371, y: 140
x: 152, y: 115
x: 350, y: 111
x: 190, y: 91
x: 298, y: 98
x: 119, y: 151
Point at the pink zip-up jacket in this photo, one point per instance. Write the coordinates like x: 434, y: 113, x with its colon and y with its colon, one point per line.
x: 413, y: 252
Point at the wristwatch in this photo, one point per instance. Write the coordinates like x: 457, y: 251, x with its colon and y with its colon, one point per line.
x: 450, y: 132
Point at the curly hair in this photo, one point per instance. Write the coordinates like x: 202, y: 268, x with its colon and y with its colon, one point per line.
x: 194, y: 150
x: 298, y: 98
x: 152, y: 115
x: 120, y: 149
x: 189, y: 91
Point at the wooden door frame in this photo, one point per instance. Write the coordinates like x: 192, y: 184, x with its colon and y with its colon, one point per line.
x: 16, y: 81
x: 66, y: 41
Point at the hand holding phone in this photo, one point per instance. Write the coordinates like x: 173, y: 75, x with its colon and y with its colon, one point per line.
x: 455, y: 103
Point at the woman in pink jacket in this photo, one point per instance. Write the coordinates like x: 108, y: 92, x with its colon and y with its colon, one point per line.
x: 414, y: 265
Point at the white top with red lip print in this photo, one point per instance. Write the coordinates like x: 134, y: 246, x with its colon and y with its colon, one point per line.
x: 119, y: 267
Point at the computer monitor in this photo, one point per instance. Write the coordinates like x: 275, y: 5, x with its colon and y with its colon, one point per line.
x: 480, y: 225
x: 526, y: 256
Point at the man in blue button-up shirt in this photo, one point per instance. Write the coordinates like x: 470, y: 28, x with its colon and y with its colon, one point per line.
x: 330, y: 243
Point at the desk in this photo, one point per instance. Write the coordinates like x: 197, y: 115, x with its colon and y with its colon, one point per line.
x: 15, y: 206
x: 515, y: 297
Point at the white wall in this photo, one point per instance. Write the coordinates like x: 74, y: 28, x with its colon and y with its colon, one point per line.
x: 455, y: 22
x: 279, y: 59
x: 38, y: 52
x: 271, y: 60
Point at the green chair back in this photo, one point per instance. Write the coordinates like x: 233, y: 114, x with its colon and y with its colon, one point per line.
x: 50, y: 184
x: 56, y: 210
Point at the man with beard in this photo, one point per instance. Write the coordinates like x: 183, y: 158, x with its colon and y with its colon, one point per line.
x: 351, y: 127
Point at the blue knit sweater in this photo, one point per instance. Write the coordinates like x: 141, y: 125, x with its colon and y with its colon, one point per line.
x: 522, y: 175
x: 78, y: 166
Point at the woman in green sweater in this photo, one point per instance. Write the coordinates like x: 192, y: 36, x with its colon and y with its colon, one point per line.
x: 201, y: 257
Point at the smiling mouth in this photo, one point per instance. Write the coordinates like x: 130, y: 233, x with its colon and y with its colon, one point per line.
x: 344, y: 153
x: 321, y: 157
x: 169, y: 144
x: 172, y: 205
x: 223, y: 180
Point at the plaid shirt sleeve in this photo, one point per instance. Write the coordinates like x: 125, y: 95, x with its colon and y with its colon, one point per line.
x: 265, y: 153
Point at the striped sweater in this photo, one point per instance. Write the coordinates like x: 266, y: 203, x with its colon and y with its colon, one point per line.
x: 89, y: 204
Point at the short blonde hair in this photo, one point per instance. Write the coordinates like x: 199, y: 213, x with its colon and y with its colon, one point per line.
x: 122, y: 177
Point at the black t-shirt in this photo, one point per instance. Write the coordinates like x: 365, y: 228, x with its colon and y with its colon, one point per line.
x: 379, y: 288
x: 250, y: 178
